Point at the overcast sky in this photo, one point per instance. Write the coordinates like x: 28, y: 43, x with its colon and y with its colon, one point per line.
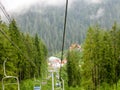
x: 18, y: 4
x: 12, y: 5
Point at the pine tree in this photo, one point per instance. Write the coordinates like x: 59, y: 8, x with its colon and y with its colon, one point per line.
x: 38, y: 59
x: 73, y: 69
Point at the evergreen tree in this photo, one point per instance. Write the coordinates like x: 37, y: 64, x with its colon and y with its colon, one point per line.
x: 38, y: 58
x: 73, y: 69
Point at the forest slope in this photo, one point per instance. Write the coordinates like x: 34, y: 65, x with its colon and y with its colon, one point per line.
x: 48, y: 21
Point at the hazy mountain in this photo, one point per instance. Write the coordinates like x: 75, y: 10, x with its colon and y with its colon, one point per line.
x: 47, y: 21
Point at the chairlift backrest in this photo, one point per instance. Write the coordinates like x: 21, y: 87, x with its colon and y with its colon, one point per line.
x: 7, y: 77
x: 37, y: 88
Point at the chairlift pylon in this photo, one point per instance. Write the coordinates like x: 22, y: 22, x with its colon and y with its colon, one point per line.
x: 9, y: 77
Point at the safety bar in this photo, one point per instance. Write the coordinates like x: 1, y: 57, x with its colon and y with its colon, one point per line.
x: 7, y: 77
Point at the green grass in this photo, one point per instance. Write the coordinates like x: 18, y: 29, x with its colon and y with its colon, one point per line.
x: 29, y: 85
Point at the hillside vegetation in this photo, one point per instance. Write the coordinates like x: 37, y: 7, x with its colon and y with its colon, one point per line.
x: 48, y: 21
x: 25, y: 55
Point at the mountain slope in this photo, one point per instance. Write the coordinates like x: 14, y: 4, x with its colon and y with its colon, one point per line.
x: 47, y: 21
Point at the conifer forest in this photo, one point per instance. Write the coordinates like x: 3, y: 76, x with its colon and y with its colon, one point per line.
x: 49, y: 45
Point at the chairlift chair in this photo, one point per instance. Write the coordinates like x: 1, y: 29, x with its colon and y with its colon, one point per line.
x: 60, y: 84
x: 37, y: 85
x: 9, y: 77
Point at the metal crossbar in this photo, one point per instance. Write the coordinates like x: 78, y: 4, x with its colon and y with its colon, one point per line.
x: 8, y: 77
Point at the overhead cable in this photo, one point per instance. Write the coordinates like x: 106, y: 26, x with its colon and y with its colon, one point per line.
x: 5, y: 12
x: 63, y: 40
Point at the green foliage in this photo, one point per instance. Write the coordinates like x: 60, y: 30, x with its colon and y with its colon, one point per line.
x: 73, y: 69
x: 27, y: 85
x: 101, y: 57
x: 26, y: 55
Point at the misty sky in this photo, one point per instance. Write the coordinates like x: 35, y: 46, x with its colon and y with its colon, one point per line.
x: 17, y: 4
x: 12, y: 5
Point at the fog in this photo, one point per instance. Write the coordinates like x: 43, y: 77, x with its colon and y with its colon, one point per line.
x: 17, y: 5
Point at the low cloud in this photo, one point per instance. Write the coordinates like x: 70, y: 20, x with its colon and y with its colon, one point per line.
x: 93, y: 1
x: 18, y: 5
x: 100, y: 13
x: 53, y: 2
x: 13, y: 5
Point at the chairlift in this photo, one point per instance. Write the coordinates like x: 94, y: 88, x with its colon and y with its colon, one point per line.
x: 58, y: 84
x: 37, y: 85
x: 9, y: 77
x: 37, y: 88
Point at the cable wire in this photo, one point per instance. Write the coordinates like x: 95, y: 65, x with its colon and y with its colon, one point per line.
x: 63, y: 40
x: 9, y: 19
x: 16, y: 46
x: 5, y: 12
